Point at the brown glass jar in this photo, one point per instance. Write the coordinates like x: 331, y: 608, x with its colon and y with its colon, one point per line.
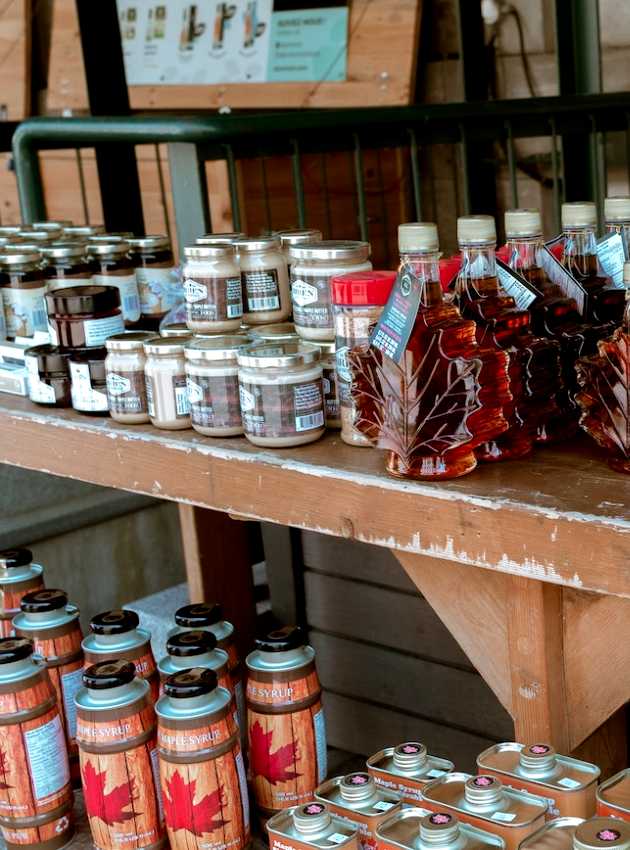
x: 84, y: 316
x: 156, y: 277
x: 65, y: 264
x: 23, y: 289
x: 48, y: 375
x: 89, y: 381
x: 111, y: 266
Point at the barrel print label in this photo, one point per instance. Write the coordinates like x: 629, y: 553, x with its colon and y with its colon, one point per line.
x: 10, y: 598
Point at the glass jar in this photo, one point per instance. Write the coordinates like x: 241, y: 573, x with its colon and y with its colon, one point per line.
x: 48, y: 375
x: 291, y: 237
x: 281, y: 392
x: 219, y: 238
x: 65, y: 264
x: 312, y: 268
x: 332, y: 410
x: 281, y: 331
x: 156, y: 275
x: 23, y: 289
x: 54, y: 225
x: 165, y: 378
x: 212, y: 289
x: 89, y: 382
x: 84, y: 316
x: 358, y: 300
x: 124, y: 372
x: 39, y: 237
x: 82, y: 232
x: 265, y: 280
x: 212, y: 373
x: 175, y: 329
x: 111, y: 266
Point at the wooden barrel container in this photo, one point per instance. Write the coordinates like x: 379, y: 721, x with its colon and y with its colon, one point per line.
x: 202, y: 774
x: 35, y: 792
x: 116, y: 732
x: 18, y: 576
x: 117, y: 636
x: 53, y: 626
x: 285, y: 721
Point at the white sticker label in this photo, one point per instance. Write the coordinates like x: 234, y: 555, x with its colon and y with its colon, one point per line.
x: 46, y: 753
x: 312, y: 420
x: 560, y: 277
x: 117, y: 384
x: 182, y: 405
x: 567, y: 782
x: 343, y: 367
x: 435, y: 773
x: 611, y: 257
x: 24, y: 311
x: 338, y: 838
x: 248, y: 402
x: 84, y: 397
x: 194, y: 291
x: 242, y: 782
x: 38, y: 391
x: 304, y: 293
x: 195, y: 392
x: 515, y: 286
x: 321, y: 750
x: 128, y: 288
x: 504, y: 816
x: 155, y: 770
x: 383, y: 806
x: 157, y: 289
x: 70, y: 684
x: 98, y: 330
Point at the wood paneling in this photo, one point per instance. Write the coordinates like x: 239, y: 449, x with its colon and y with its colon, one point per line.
x: 15, y: 59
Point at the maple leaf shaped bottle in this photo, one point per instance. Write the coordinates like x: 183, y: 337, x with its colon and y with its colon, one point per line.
x: 534, y: 367
x: 605, y: 391
x: 617, y: 219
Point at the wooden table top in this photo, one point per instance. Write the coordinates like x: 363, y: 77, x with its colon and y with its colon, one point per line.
x: 563, y: 516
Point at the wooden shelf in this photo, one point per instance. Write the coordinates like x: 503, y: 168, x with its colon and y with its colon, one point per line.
x: 562, y: 517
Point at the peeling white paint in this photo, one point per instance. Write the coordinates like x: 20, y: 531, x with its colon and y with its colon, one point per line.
x: 530, y: 692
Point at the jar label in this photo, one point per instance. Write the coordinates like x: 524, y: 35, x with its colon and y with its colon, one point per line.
x: 24, y: 311
x: 213, y: 299
x: 128, y: 288
x: 84, y: 396
x: 44, y: 746
x: 126, y: 392
x: 311, y: 301
x: 261, y: 290
x: 331, y: 397
x: 70, y: 684
x: 148, y: 387
x: 352, y: 332
x: 157, y: 289
x: 282, y: 410
x: 98, y: 330
x: 182, y: 405
x: 214, y: 401
x: 38, y: 390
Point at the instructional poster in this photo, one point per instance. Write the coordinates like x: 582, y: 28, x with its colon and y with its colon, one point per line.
x: 238, y: 41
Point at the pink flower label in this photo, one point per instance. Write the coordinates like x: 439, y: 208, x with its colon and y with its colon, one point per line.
x: 359, y: 779
x: 440, y: 818
x: 608, y: 835
x: 314, y: 809
x: 483, y: 781
x: 539, y: 749
x: 411, y: 748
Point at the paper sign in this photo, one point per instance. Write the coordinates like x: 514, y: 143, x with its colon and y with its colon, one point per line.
x: 308, y: 45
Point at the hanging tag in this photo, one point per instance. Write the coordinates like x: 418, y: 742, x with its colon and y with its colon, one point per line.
x: 514, y: 284
x: 394, y: 327
x: 611, y: 257
x: 569, y: 286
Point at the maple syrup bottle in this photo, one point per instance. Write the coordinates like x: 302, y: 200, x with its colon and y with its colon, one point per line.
x: 534, y: 367
x: 617, y: 219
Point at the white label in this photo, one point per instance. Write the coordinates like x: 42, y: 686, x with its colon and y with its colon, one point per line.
x: 52, y: 333
x: 127, y: 285
x: 514, y: 286
x: 157, y: 289
x: 24, y: 311
x: 559, y: 276
x: 195, y: 392
x: 248, y: 402
x: 37, y: 390
x: 338, y: 838
x: 70, y: 684
x: 259, y: 304
x: 148, y: 382
x: 98, y: 330
x: 47, y: 760
x: 567, y: 782
x: 304, y: 293
x: 242, y: 781
x: 182, y: 405
x: 504, y: 816
x: 117, y: 384
x: 611, y: 257
x: 234, y: 311
x: 307, y: 423
x: 155, y: 770
x: 321, y: 750
x: 383, y: 806
x: 194, y: 291
x: 84, y: 397
x: 343, y: 367
x: 435, y: 773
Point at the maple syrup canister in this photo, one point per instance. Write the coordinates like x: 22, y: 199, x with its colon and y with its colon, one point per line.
x: 35, y: 792
x: 52, y: 624
x: 557, y: 834
x: 18, y: 576
x: 116, y: 732
x: 483, y: 801
x: 357, y: 799
x: 419, y: 829
x: 204, y: 787
x: 569, y: 785
x: 117, y: 635
x: 195, y: 648
x: 285, y: 721
x: 406, y: 769
x: 613, y: 796
x: 310, y: 826
x: 598, y: 833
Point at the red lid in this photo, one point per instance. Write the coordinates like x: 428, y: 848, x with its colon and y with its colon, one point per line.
x: 362, y: 288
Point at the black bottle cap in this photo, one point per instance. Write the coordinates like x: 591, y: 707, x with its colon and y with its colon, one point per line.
x: 14, y: 649
x: 109, y: 674
x: 185, y: 644
x: 115, y: 622
x: 41, y: 601
x: 78, y: 300
x: 192, y: 682
x: 199, y: 615
x: 10, y: 558
x: 281, y: 640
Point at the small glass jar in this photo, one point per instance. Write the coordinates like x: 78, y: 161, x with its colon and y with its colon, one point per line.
x: 265, y: 278
x: 289, y: 238
x: 175, y: 329
x: 212, y: 289
x: 124, y: 370
x: 84, y: 316
x: 281, y: 331
x: 156, y: 276
x: 89, y: 381
x: 48, y: 375
x: 111, y: 266
x: 39, y: 237
x: 23, y: 289
x: 212, y: 372
x: 82, y: 232
x: 358, y: 300
x: 281, y: 392
x: 332, y: 410
x: 165, y: 377
x: 312, y: 268
x: 219, y: 238
x: 65, y: 264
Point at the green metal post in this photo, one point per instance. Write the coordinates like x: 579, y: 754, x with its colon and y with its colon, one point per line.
x: 190, y: 192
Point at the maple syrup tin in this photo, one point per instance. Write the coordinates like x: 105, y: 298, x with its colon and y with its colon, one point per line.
x: 557, y: 834
x: 613, y: 796
x: 406, y: 769
x: 311, y: 825
x: 35, y: 793
x: 357, y: 799
x: 117, y: 635
x: 18, y: 576
x: 285, y: 721
x: 116, y: 731
x: 568, y: 784
x: 204, y: 787
x: 483, y: 801
x: 195, y: 649
x: 419, y: 829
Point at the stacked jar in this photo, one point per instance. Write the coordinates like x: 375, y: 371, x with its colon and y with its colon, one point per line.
x: 111, y: 266
x: 212, y: 382
x: 165, y: 379
x: 22, y: 288
x: 219, y: 238
x: 124, y: 371
x: 290, y: 238
x: 265, y: 280
x: 156, y: 277
x: 212, y: 289
x: 65, y: 265
x: 82, y: 232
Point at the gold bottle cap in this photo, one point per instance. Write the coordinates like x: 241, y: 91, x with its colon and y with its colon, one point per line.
x: 579, y: 214
x: 418, y: 237
x: 476, y: 228
x: 617, y: 209
x: 522, y: 222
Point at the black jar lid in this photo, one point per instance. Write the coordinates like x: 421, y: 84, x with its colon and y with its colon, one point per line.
x: 281, y: 640
x: 14, y: 649
x: 116, y: 622
x: 185, y: 644
x: 80, y: 300
x: 50, y: 358
x: 42, y: 601
x: 199, y: 615
x: 12, y: 558
x: 109, y: 674
x: 192, y: 682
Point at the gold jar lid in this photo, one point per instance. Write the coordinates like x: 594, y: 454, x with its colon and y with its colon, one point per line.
x: 162, y: 345
x: 272, y: 355
x: 282, y: 331
x: 219, y: 238
x: 146, y: 243
x: 208, y: 252
x: 214, y: 348
x: 63, y: 251
x: 129, y: 340
x: 249, y: 245
x: 331, y: 249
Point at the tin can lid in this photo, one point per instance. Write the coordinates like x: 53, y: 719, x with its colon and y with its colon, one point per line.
x: 311, y: 817
x: 10, y: 558
x: 42, y: 601
x: 129, y: 340
x: 281, y: 640
x: 273, y: 354
x: 537, y: 756
x: 357, y: 786
x: 362, y: 288
x: 14, y: 649
x: 283, y: 331
x: 187, y: 644
x: 199, y: 615
x: 192, y: 682
x: 214, y: 348
x: 439, y: 826
x: 153, y: 240
x: 116, y: 622
x: 410, y: 755
x: 482, y: 789
x: 64, y: 251
x: 219, y: 238
x: 109, y: 674
x: 78, y: 300
x: 598, y: 832
x: 257, y: 243
x: 50, y: 358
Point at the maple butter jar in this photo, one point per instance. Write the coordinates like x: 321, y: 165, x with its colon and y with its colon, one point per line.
x: 156, y: 275
x: 212, y: 380
x: 265, y: 279
x: 124, y: 368
x: 212, y: 288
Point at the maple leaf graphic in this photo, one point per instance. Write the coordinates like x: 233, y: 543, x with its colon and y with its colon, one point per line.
x: 180, y: 812
x: 275, y: 767
x: 108, y: 807
x: 4, y: 771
